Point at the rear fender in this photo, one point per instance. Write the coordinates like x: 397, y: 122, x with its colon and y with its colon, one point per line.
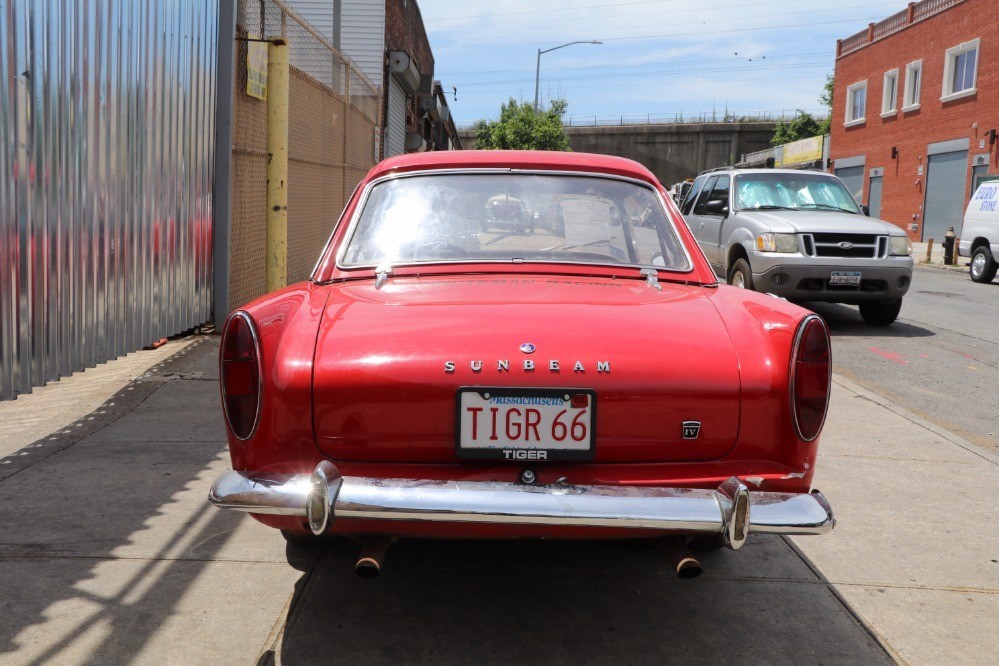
x: 287, y: 322
x: 762, y: 330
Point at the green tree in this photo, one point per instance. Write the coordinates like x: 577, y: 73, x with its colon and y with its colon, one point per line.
x: 521, y: 127
x: 802, y: 126
x: 826, y: 100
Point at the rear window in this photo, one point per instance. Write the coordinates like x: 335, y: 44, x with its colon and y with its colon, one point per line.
x: 491, y: 217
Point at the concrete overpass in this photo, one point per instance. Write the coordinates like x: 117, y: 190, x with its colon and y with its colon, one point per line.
x: 672, y: 151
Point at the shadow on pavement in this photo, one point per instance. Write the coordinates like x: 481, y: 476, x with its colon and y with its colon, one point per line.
x: 844, y: 320
x: 570, y: 602
x: 106, y: 530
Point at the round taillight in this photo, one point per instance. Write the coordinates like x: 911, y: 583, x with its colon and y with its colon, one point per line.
x: 240, y: 375
x: 811, y: 372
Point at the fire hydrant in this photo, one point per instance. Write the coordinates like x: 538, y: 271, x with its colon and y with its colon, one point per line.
x: 948, y: 246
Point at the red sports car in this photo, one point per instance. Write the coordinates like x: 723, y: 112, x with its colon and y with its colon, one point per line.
x: 439, y: 376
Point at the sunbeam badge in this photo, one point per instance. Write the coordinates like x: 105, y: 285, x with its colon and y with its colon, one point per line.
x: 527, y: 348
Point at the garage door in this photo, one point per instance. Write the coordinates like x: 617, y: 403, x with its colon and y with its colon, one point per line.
x: 853, y: 178
x: 945, y: 201
x: 395, y: 124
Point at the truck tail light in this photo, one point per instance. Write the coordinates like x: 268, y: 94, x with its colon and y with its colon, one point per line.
x: 811, y: 372
x: 240, y: 373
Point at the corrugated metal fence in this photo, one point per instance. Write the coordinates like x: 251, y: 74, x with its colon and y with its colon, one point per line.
x: 107, y: 117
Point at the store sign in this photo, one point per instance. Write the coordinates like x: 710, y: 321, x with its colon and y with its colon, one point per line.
x: 256, y: 67
x: 805, y: 150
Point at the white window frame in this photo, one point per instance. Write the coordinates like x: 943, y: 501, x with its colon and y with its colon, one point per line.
x: 913, y: 85
x: 950, y: 58
x: 851, y: 92
x: 889, y: 94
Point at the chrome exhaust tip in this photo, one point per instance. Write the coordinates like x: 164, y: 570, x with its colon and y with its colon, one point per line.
x: 684, y: 564
x: 372, y: 558
x: 324, y: 486
x: 733, y: 500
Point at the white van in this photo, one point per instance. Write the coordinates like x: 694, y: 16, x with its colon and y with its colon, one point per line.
x: 980, y: 234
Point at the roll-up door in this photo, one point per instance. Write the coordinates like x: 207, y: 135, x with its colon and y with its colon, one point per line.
x: 395, y: 124
x: 853, y: 178
x: 945, y: 200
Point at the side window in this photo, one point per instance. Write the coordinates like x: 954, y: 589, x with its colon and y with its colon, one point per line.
x: 889, y: 92
x: 703, y: 198
x: 913, y: 76
x: 856, y: 103
x: 960, y: 69
x: 721, y: 189
x: 688, y: 201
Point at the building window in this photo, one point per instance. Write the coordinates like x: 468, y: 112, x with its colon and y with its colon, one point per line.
x: 913, y: 80
x: 960, y: 68
x: 856, y: 103
x: 889, y: 94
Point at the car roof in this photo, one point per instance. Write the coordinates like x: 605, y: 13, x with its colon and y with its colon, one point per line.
x: 515, y: 159
x: 709, y: 172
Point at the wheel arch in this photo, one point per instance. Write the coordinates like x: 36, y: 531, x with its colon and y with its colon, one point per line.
x: 735, y: 252
x: 979, y: 242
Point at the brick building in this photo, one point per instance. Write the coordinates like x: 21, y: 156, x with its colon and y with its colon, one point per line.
x: 916, y: 111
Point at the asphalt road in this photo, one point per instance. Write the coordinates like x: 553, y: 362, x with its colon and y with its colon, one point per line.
x: 938, y: 359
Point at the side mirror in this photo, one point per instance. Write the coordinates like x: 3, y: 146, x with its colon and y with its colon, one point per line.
x: 716, y: 207
x: 865, y: 210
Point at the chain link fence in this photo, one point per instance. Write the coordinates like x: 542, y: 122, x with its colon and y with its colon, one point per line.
x: 333, y: 125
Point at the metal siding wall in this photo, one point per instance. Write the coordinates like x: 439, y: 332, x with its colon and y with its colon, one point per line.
x: 106, y: 149
x: 362, y: 36
x: 319, y: 14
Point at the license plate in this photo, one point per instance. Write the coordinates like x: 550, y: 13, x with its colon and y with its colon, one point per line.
x: 524, y: 424
x: 844, y: 279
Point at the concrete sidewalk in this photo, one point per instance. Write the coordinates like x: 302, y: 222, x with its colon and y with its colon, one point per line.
x: 915, y: 551
x: 933, y: 257
x: 110, y: 553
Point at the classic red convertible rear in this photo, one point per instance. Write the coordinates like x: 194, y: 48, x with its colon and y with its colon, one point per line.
x: 442, y: 376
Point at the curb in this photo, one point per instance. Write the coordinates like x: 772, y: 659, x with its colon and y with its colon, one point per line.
x: 895, y: 408
x: 941, y: 267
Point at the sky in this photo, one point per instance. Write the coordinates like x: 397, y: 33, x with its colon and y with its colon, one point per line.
x: 658, y: 58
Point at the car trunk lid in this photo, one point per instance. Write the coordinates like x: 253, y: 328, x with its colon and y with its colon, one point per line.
x: 389, y: 363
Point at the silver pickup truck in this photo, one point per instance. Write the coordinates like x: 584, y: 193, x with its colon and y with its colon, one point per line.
x: 799, y: 235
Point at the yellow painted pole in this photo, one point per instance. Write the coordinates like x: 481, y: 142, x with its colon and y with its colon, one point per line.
x: 277, y: 164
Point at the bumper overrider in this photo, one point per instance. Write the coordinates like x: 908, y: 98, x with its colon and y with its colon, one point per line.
x: 731, y: 510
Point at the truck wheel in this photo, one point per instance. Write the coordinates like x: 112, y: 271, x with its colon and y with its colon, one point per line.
x: 983, y: 266
x: 741, y: 275
x: 880, y: 313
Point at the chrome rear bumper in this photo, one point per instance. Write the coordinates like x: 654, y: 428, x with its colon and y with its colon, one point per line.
x: 731, y: 510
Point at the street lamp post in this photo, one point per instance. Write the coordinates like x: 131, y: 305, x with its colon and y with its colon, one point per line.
x: 537, y: 71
